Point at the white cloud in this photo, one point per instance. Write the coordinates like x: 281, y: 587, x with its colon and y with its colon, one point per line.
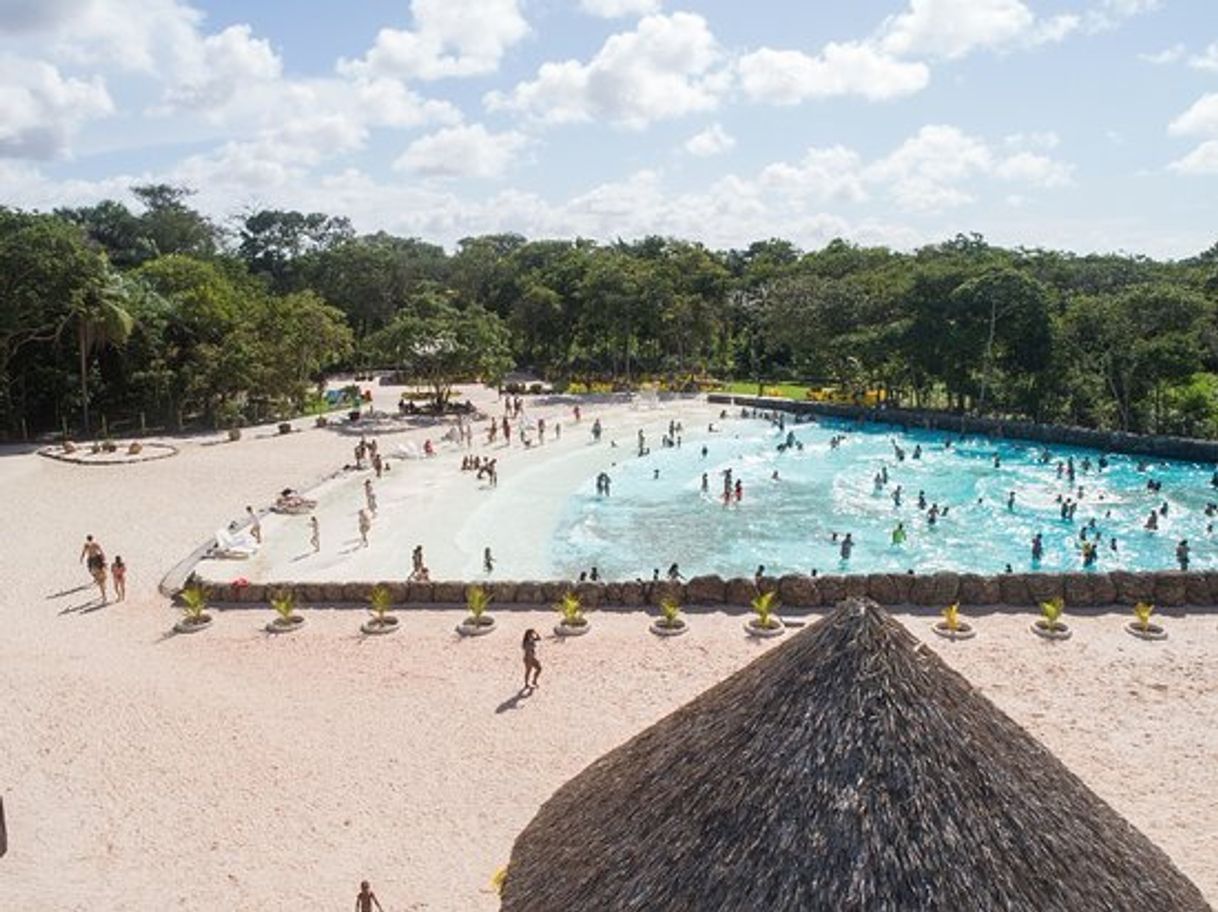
x: 221, y: 65
x: 851, y: 68
x: 1206, y: 60
x: 834, y: 173
x: 151, y: 37
x: 1035, y: 169
x: 714, y: 140
x: 450, y: 38
x: 465, y: 151
x: 40, y: 108
x: 1202, y: 160
x: 1201, y: 119
x: 953, y: 28
x: 927, y: 171
x: 1108, y: 14
x: 662, y: 69
x: 1036, y: 139
x: 1172, y: 54
x: 612, y: 9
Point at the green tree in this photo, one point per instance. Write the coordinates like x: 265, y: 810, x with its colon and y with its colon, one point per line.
x: 442, y: 345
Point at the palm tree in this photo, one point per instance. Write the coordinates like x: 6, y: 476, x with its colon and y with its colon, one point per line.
x: 101, y: 320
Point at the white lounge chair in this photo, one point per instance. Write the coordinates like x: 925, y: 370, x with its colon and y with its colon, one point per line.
x: 233, y: 546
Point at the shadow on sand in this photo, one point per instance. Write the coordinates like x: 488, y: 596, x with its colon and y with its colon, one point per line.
x: 514, y: 701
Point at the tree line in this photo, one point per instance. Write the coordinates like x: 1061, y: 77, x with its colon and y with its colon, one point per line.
x: 161, y: 316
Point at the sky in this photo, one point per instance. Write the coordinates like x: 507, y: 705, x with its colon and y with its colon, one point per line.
x: 1084, y: 125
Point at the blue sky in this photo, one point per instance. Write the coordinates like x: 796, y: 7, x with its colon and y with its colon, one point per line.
x: 1078, y: 124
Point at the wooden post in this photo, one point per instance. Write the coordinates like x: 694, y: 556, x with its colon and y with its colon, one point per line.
x: 105, y: 432
x: 143, y: 425
x: 25, y: 431
x: 64, y: 420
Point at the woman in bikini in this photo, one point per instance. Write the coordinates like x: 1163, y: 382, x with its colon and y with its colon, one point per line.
x: 529, y: 644
x: 118, y: 572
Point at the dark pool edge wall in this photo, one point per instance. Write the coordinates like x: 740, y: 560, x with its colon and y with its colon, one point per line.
x: 1165, y: 589
x: 1189, y: 449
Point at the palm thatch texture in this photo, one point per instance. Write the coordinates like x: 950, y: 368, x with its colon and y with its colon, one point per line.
x: 849, y: 770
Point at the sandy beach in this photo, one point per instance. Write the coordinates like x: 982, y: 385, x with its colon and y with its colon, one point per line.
x: 236, y: 770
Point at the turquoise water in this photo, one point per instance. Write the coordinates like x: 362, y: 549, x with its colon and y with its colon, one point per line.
x: 788, y: 524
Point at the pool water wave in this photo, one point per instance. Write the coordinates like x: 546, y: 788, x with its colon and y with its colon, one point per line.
x: 794, y: 523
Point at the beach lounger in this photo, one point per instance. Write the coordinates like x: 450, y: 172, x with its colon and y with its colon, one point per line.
x: 232, y: 546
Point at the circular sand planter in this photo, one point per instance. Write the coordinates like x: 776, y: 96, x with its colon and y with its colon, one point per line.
x: 1149, y: 632
x: 379, y: 626
x: 476, y: 628
x: 191, y: 625
x: 563, y: 629
x: 752, y: 628
x: 289, y: 625
x: 1058, y: 631
x: 662, y: 628
x: 963, y: 631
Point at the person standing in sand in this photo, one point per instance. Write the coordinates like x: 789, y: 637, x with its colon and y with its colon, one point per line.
x: 255, y: 525
x: 488, y: 561
x: 365, y: 526
x: 315, y: 534
x: 365, y: 899
x: 118, y: 572
x: 95, y: 560
x: 529, y: 645
x: 370, y: 496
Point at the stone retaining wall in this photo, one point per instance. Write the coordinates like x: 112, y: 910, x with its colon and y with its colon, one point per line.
x: 1186, y: 448
x: 1165, y: 589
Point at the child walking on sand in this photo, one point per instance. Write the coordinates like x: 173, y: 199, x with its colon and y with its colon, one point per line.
x: 529, y: 645
x: 315, y: 534
x: 118, y: 572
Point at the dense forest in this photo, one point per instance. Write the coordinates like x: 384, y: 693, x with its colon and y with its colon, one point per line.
x: 159, y: 316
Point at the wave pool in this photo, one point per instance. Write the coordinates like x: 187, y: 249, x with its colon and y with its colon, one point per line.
x: 794, y: 523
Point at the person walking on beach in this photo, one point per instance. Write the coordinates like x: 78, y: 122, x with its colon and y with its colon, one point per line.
x: 365, y: 899
x: 365, y: 526
x: 95, y: 560
x: 118, y: 572
x: 369, y: 496
x: 531, y: 665
x: 314, y: 534
x: 488, y: 561
x: 255, y: 525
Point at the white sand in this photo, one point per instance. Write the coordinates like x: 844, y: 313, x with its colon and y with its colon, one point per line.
x: 232, y: 770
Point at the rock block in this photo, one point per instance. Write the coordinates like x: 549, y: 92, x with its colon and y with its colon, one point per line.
x: 705, y: 590
x: 798, y: 591
x: 880, y: 589
x: 1169, y: 588
x: 832, y: 588
x: 419, y: 593
x: 739, y: 591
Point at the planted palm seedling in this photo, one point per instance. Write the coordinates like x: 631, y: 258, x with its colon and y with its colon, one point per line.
x: 573, y: 622
x: 767, y: 623
x: 286, y: 619
x: 952, y: 627
x: 669, y: 623
x: 477, y: 622
x: 194, y: 610
x: 1049, y: 625
x: 1141, y: 626
x: 380, y: 600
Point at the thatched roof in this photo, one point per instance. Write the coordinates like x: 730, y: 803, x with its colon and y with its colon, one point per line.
x: 847, y: 769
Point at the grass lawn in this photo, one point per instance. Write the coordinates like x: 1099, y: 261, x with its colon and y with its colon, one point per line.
x: 786, y: 390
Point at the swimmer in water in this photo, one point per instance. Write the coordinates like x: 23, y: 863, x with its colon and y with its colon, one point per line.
x: 1038, y: 547
x: 1011, y: 501
x: 898, y: 534
x: 847, y: 547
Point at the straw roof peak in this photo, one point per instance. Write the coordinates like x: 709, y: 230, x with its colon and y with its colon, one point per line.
x: 846, y: 769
